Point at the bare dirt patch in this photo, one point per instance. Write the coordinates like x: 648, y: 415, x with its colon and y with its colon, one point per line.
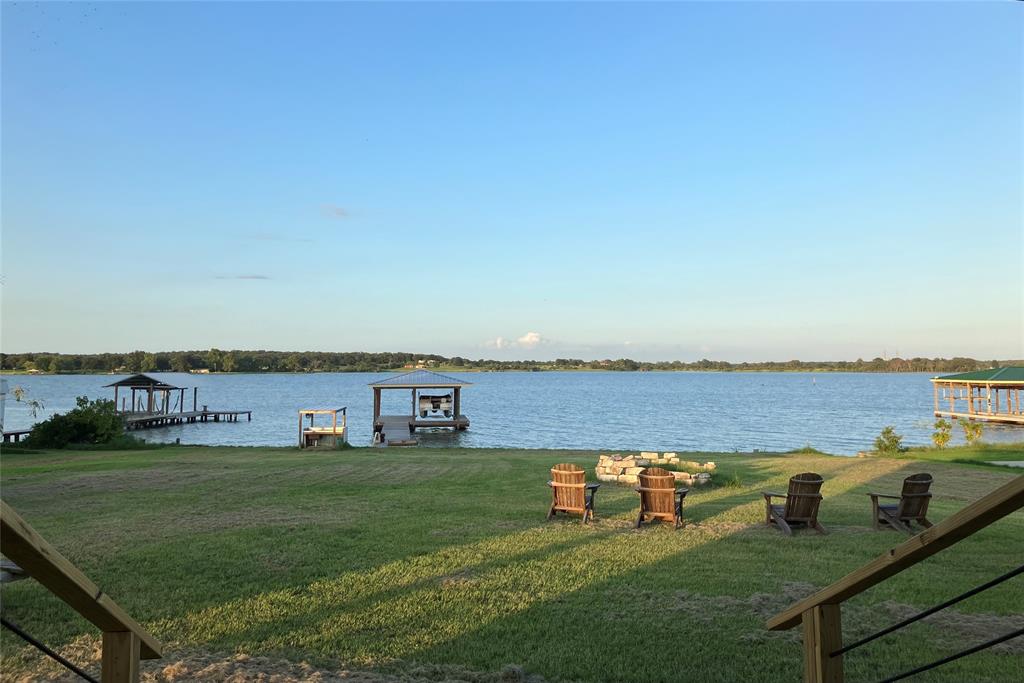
x: 199, y: 666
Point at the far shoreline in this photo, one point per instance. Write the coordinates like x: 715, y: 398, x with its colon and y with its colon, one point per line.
x: 848, y: 371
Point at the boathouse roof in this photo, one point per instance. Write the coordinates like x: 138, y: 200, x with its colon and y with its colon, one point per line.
x: 1012, y: 374
x: 157, y: 380
x: 418, y: 379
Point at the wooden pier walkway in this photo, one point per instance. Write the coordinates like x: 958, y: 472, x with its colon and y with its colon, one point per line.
x: 396, y: 429
x: 154, y: 420
x: 16, y: 435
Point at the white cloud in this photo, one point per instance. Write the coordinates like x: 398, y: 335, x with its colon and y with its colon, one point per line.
x: 530, y: 340
x: 497, y: 343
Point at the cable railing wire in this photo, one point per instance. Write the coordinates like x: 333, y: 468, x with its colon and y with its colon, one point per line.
x: 928, y: 612
x: 14, y: 628
x: 946, y: 660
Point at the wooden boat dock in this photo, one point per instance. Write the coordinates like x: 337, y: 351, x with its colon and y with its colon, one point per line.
x: 400, y: 430
x: 992, y: 395
x: 16, y: 435
x: 154, y: 420
x: 150, y: 404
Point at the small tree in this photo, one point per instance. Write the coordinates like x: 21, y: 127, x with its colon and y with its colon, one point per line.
x: 889, y: 441
x: 972, y: 431
x: 942, y: 434
x: 21, y: 396
x: 91, y: 422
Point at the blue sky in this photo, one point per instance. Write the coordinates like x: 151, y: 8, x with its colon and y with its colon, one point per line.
x: 734, y: 181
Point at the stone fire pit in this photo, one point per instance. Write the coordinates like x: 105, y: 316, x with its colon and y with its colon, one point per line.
x: 625, y: 468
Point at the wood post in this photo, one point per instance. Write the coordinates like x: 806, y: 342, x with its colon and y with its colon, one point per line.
x: 414, y: 411
x: 376, y: 403
x: 115, y: 397
x: 457, y: 407
x: 822, y: 636
x: 121, y: 650
x: 195, y: 398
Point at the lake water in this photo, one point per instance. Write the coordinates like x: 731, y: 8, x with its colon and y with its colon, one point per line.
x: 681, y: 411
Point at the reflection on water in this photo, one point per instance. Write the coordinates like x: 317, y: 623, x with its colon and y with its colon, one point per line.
x: 836, y: 412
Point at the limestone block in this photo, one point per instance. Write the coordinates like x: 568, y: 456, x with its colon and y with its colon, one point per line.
x: 648, y: 454
x: 643, y: 463
x: 629, y: 479
x: 631, y: 471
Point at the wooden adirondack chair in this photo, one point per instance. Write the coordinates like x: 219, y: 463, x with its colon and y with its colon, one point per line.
x: 570, y: 491
x: 659, y: 497
x: 912, y: 505
x: 801, y: 507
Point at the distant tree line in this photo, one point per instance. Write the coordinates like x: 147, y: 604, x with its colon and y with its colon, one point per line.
x: 216, y: 360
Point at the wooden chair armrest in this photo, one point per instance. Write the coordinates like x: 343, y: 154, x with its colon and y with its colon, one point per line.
x: 769, y: 495
x: 682, y: 492
x: 594, y: 486
x: 883, y: 495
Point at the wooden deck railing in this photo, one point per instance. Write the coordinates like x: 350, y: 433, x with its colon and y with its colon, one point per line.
x: 820, y: 614
x: 124, y: 640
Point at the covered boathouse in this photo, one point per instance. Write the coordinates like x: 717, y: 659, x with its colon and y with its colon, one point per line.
x: 992, y: 395
x: 150, y: 400
x: 428, y: 410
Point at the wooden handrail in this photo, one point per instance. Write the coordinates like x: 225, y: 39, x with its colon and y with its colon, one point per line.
x: 820, y: 613
x: 124, y: 640
x: 979, y: 514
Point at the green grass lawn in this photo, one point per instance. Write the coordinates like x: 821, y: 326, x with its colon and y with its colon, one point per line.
x: 438, y: 565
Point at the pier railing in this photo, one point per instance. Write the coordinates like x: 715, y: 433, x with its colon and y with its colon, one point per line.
x: 820, y: 614
x: 125, y: 642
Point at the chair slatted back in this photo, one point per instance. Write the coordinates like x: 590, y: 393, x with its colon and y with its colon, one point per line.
x: 803, y: 497
x: 657, y: 490
x: 568, y: 484
x: 915, y: 496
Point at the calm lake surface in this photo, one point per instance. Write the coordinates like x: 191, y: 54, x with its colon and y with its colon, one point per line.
x: 681, y: 411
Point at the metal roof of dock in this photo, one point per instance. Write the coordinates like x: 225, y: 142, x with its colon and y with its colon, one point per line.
x: 418, y: 379
x: 157, y: 381
x: 1012, y: 375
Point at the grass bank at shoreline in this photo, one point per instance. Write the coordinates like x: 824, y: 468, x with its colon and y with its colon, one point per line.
x: 437, y: 564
